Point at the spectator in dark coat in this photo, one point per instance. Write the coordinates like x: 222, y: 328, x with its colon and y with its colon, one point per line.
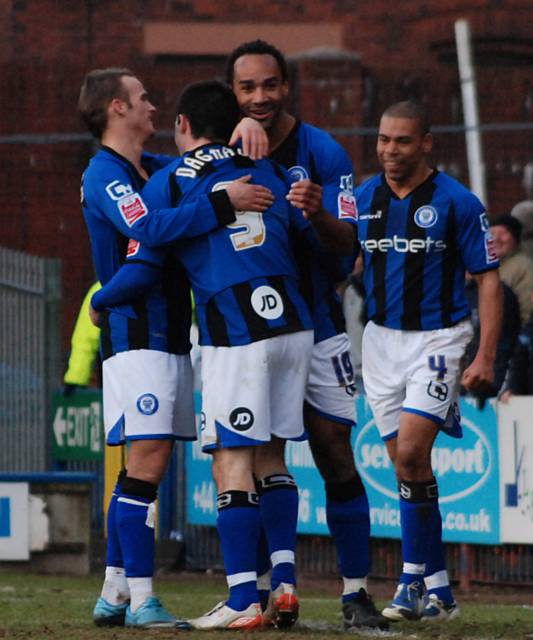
x: 507, y: 342
x: 519, y: 381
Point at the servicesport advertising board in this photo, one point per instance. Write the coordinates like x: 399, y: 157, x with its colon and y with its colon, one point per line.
x: 466, y: 470
x: 516, y: 470
x: 201, y: 492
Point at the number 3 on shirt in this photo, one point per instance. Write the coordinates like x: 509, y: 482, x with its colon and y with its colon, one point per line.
x: 251, y: 228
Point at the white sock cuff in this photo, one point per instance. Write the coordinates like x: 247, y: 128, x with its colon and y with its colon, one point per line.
x: 140, y: 590
x: 143, y: 584
x: 352, y: 585
x: 282, y: 556
x: 436, y: 580
x: 115, y: 588
x: 112, y: 573
x: 415, y: 569
x: 241, y: 578
x: 136, y: 502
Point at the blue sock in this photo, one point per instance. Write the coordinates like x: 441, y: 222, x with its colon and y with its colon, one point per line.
x: 418, y: 501
x: 113, y: 550
x: 436, y: 576
x: 278, y: 504
x: 135, y: 524
x: 238, y: 524
x: 348, y: 518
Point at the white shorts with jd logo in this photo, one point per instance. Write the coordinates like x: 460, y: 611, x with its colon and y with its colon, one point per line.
x: 148, y: 395
x: 254, y: 391
x: 414, y: 371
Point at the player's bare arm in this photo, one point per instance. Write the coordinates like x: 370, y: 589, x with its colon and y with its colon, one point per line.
x: 249, y: 197
x: 334, y: 234
x: 253, y: 138
x: 490, y: 297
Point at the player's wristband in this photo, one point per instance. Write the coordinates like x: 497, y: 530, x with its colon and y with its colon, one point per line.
x: 224, y: 210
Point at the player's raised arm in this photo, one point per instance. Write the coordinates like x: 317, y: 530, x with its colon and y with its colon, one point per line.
x: 253, y: 137
x: 152, y: 225
x: 245, y: 196
x: 238, y: 195
x: 330, y: 206
x: 166, y: 225
x: 334, y: 234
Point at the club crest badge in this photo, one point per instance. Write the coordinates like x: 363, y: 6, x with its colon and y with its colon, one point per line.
x: 147, y: 404
x: 298, y: 173
x: 426, y: 216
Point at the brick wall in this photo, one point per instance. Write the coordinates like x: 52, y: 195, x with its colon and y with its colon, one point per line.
x: 46, y: 48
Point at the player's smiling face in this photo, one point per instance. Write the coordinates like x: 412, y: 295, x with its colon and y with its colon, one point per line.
x: 141, y: 111
x: 259, y: 87
x: 402, y: 149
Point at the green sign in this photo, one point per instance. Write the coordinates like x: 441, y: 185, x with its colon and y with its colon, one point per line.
x: 78, y: 431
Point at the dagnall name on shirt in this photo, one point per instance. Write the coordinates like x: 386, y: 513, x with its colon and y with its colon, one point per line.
x: 199, y: 158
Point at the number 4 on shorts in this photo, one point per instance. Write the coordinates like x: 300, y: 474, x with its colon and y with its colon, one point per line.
x: 438, y: 364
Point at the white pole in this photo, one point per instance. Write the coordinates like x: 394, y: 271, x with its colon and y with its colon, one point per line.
x: 474, y: 151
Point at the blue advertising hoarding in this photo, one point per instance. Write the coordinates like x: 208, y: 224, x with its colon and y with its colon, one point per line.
x: 466, y: 469
x: 5, y: 517
x: 14, y: 521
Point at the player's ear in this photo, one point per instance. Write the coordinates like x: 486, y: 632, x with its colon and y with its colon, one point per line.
x: 182, y: 123
x: 285, y: 88
x: 427, y: 143
x: 117, y: 106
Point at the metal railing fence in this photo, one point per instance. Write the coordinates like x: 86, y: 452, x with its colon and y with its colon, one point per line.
x: 30, y: 357
x: 506, y: 147
x: 468, y: 564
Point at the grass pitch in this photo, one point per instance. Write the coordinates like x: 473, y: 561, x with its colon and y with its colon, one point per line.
x: 52, y: 607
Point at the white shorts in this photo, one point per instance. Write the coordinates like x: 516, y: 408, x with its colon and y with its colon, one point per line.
x: 330, y: 388
x: 148, y: 396
x: 254, y: 391
x: 414, y: 371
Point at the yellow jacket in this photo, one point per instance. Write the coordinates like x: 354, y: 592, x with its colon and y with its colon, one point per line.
x: 84, y: 343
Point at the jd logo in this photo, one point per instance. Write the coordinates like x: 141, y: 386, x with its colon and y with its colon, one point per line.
x: 438, y: 390
x: 241, y: 418
x: 267, y: 303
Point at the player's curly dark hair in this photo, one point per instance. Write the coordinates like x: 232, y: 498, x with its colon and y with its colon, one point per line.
x: 255, y: 47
